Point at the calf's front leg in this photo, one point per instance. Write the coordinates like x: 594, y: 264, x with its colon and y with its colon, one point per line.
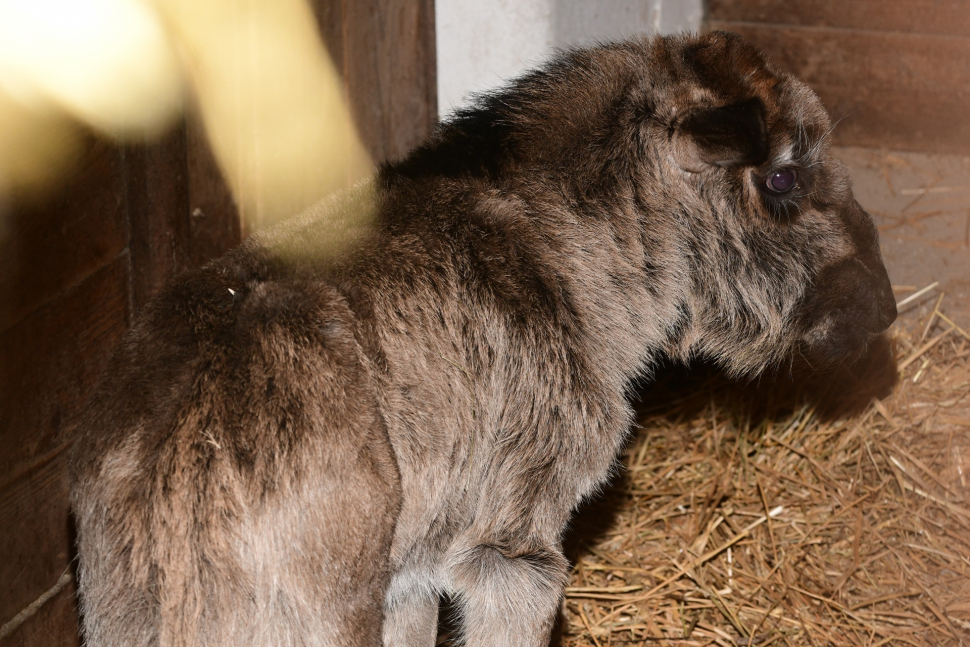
x: 508, y: 596
x: 410, y: 612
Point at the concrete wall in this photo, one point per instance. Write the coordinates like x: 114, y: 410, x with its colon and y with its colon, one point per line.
x: 482, y: 43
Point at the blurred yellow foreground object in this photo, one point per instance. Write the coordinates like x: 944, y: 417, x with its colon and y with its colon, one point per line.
x: 106, y: 63
x: 267, y: 93
x: 271, y: 102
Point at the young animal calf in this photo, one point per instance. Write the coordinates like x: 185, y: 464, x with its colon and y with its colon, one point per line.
x: 300, y: 448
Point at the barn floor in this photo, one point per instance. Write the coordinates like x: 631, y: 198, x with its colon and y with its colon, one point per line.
x: 805, y: 511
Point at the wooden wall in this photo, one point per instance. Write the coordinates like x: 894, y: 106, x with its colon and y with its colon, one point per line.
x: 73, y: 271
x: 77, y: 268
x: 896, y: 74
x: 386, y: 52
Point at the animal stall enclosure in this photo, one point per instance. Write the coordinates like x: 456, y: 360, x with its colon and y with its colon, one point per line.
x: 816, y: 511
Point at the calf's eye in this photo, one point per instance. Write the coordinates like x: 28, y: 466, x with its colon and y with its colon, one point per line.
x: 781, y: 181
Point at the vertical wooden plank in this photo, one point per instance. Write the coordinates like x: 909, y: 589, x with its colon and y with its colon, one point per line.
x: 390, y: 72
x: 158, y: 213
x: 330, y: 21
x: 214, y: 226
x: 80, y: 226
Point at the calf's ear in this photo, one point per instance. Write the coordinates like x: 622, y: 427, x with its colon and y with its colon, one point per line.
x: 732, y: 135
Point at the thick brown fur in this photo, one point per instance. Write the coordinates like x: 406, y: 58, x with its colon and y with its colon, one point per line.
x: 292, y: 448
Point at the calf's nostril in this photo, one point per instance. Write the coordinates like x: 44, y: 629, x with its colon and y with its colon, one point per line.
x: 887, y: 301
x: 875, y: 289
x: 875, y: 308
x: 887, y: 312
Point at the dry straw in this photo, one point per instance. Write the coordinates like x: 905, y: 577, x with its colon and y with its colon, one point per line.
x: 789, y: 511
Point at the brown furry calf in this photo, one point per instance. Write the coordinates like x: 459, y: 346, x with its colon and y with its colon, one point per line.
x: 292, y: 448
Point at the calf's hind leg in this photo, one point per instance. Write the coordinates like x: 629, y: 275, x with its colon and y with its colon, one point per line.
x: 235, y: 484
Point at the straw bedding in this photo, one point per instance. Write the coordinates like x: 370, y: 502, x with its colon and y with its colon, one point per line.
x: 802, y: 511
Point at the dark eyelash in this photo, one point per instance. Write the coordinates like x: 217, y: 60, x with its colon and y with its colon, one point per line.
x: 786, y: 206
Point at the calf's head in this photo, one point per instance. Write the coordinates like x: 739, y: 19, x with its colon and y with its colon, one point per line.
x: 783, y: 261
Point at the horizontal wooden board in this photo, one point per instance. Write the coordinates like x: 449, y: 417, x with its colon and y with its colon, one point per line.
x: 50, y: 362
x: 902, y: 91
x: 898, y: 120
x: 943, y: 17
x: 35, y: 541
x: 871, y: 60
x: 55, y: 623
x: 47, y: 248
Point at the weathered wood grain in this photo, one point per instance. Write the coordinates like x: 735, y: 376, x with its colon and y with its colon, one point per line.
x: 46, y: 248
x: 389, y: 68
x: 54, y: 623
x: 51, y: 361
x: 866, y: 60
x: 898, y: 120
x: 158, y: 213
x: 890, y: 90
x: 35, y: 544
x: 214, y: 225
x: 942, y: 17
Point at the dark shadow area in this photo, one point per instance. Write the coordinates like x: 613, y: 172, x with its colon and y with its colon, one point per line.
x: 53, y: 239
x: 449, y: 623
x: 682, y: 392
x: 74, y: 566
x: 844, y: 391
